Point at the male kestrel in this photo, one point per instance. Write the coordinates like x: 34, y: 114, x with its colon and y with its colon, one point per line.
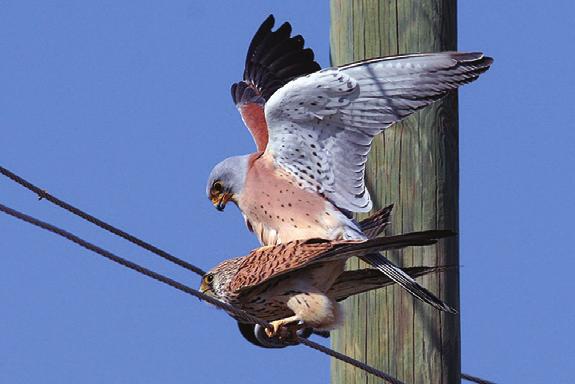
x: 300, y: 282
x: 313, y: 130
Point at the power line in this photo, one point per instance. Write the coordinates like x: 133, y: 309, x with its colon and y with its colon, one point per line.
x: 42, y: 194
x: 166, y: 280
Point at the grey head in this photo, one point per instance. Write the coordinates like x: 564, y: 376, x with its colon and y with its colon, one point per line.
x: 226, y: 181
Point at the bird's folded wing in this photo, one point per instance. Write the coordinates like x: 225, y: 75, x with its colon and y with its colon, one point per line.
x: 266, y: 263
x: 273, y: 59
x: 368, y: 252
x: 321, y: 125
x: 349, y: 248
x: 358, y: 281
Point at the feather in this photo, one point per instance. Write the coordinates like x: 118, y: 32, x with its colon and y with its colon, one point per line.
x: 331, y: 116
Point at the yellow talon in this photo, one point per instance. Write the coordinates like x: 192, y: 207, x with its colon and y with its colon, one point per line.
x: 284, y: 329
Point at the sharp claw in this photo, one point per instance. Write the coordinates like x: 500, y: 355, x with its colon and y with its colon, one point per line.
x: 273, y: 331
x: 291, y: 331
x: 284, y: 331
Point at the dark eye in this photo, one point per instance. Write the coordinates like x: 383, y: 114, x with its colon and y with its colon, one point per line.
x: 217, y: 187
x: 209, y: 279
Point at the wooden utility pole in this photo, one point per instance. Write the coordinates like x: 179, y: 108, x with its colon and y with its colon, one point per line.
x: 414, y: 165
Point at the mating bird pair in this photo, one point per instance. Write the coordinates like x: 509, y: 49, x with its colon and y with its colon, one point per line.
x: 313, y: 130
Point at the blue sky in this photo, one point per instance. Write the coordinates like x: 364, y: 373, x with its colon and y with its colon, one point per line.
x: 123, y: 107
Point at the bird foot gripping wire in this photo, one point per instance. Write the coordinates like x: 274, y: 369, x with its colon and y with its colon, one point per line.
x: 284, y: 329
x: 248, y: 329
x: 256, y: 334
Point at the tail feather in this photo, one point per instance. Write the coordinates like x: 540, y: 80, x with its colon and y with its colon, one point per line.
x: 366, y: 250
x: 392, y: 242
x: 376, y: 223
x: 403, y: 279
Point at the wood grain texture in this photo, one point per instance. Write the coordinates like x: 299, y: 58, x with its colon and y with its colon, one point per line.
x: 414, y: 165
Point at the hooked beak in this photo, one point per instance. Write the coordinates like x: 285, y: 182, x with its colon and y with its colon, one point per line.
x: 221, y: 201
x: 207, y: 290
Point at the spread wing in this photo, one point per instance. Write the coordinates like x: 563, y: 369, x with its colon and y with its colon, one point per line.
x: 267, y: 263
x: 274, y: 58
x: 321, y: 125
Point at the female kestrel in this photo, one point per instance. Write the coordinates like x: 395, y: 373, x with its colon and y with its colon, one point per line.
x: 313, y: 130
x: 300, y: 282
x: 349, y: 283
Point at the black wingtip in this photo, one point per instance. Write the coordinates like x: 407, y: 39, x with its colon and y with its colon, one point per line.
x: 432, y: 234
x: 284, y: 28
x: 268, y: 23
x: 274, y: 58
x: 476, y: 59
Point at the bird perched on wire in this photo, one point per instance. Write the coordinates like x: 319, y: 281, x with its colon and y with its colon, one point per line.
x: 313, y: 131
x: 298, y: 284
x: 349, y: 283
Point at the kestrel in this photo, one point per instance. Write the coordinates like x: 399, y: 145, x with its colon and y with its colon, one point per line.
x: 313, y: 131
x: 349, y: 283
x: 299, y: 283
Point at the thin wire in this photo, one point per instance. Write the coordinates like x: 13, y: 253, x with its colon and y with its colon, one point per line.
x: 131, y: 265
x: 475, y: 379
x: 350, y: 360
x: 166, y: 280
x: 42, y: 194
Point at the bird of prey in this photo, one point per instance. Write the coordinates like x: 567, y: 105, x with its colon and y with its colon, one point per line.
x: 299, y: 283
x: 349, y: 283
x: 313, y: 130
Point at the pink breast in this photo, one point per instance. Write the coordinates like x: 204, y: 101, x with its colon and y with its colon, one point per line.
x: 279, y: 210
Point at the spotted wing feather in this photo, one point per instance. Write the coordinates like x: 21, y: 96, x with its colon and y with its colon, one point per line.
x: 266, y: 263
x: 273, y: 59
x: 321, y: 125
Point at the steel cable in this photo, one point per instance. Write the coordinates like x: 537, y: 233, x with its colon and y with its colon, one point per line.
x: 42, y: 194
x: 166, y: 280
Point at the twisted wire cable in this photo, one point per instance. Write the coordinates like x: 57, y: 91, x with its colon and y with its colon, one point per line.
x: 166, y: 280
x: 42, y: 194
